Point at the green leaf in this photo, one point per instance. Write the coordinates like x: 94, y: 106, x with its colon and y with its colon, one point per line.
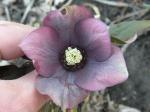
x: 117, y: 41
x: 127, y: 32
x: 79, y: 1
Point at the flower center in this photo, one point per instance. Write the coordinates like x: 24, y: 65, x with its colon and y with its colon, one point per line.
x: 73, y: 58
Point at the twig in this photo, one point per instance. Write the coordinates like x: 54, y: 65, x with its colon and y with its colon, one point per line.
x: 66, y: 4
x: 113, y: 3
x: 124, y: 47
x: 142, y: 12
x: 7, y: 13
x: 95, y: 9
x: 49, y: 3
x: 28, y: 8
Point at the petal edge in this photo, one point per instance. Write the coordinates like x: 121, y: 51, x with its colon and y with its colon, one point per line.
x: 100, y: 75
x: 66, y: 95
x: 41, y: 46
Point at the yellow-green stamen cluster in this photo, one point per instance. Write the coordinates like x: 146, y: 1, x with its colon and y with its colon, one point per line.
x: 73, y: 56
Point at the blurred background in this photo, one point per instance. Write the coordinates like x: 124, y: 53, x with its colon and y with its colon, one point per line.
x: 130, y: 96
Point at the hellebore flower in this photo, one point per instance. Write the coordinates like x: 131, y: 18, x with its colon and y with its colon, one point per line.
x: 73, y: 55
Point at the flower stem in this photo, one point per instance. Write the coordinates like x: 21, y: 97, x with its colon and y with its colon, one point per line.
x: 71, y: 110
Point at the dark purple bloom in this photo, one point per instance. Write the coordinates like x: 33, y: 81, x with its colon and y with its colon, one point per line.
x: 73, y: 55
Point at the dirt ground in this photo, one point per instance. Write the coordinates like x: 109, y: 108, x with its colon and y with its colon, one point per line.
x: 135, y: 92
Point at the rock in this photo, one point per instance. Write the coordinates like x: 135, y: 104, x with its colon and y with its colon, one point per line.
x: 4, y: 63
x: 123, y: 108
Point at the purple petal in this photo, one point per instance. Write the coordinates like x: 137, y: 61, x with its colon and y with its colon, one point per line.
x: 93, y: 35
x: 61, y: 89
x: 41, y: 46
x: 65, y: 21
x: 99, y: 75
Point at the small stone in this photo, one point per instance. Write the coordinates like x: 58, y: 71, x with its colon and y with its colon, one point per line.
x: 4, y: 63
x: 123, y: 108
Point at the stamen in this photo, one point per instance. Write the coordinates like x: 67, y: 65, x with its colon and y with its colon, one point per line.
x: 73, y: 56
